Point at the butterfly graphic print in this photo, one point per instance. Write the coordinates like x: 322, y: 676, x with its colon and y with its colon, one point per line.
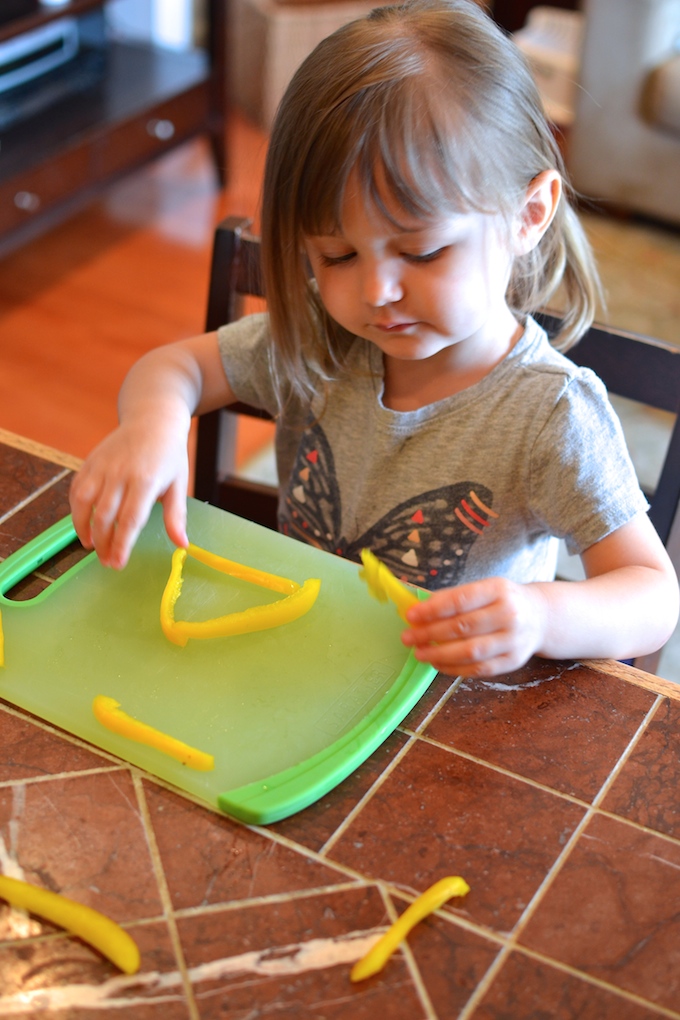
x: 425, y: 540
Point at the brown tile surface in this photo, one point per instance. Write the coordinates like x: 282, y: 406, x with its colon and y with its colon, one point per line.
x: 646, y: 789
x: 573, y: 910
x: 440, y: 814
x: 209, y: 859
x: 441, y: 686
x: 27, y: 750
x: 22, y: 475
x: 281, y: 956
x: 614, y: 911
x: 560, y: 725
x: 317, y: 823
x: 531, y: 988
x: 43, y: 510
x: 82, y: 836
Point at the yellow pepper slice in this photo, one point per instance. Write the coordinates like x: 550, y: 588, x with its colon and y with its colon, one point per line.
x: 383, y: 585
x: 2, y: 642
x: 298, y: 602
x: 108, y: 712
x: 88, y: 924
x: 433, y: 898
x: 260, y: 577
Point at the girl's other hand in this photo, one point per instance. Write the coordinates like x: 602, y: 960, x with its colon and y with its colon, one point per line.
x: 115, y: 490
x: 479, y: 629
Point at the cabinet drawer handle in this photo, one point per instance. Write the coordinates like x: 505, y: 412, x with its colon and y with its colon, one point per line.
x: 163, y: 130
x: 27, y: 200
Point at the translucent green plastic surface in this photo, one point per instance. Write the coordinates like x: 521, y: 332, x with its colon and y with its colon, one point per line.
x: 287, y: 713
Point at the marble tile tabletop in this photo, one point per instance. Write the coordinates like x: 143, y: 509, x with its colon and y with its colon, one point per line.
x: 554, y: 791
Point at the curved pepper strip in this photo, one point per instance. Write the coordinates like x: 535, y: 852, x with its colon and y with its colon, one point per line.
x: 2, y: 642
x: 296, y: 604
x: 88, y: 924
x: 433, y: 898
x: 260, y: 577
x: 108, y: 712
x: 383, y: 585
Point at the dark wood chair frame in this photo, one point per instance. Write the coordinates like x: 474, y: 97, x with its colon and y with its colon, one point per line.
x: 630, y: 365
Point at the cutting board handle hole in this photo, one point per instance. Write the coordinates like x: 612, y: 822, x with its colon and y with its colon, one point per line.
x: 50, y: 570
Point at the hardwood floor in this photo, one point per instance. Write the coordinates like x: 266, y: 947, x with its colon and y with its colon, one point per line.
x: 79, y: 305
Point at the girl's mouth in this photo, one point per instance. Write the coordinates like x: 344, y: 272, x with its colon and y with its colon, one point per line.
x: 393, y: 327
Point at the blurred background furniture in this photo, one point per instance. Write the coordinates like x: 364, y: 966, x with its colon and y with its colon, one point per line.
x: 512, y: 14
x: 275, y: 37
x: 624, y: 145
x: 117, y: 102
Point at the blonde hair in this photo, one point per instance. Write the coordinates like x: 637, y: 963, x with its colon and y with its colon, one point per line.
x: 432, y: 100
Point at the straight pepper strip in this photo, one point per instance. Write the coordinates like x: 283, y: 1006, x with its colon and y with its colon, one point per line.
x: 108, y: 712
x: 296, y: 604
x: 433, y: 898
x: 88, y: 924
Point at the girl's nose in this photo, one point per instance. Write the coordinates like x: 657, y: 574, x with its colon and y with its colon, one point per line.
x: 382, y: 285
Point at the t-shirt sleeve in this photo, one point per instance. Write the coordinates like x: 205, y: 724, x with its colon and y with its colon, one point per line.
x: 245, y: 350
x: 583, y: 483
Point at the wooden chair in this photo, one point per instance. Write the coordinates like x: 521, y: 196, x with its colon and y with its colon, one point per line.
x: 234, y: 275
x: 632, y: 366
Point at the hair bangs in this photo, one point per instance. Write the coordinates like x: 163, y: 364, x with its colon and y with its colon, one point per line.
x: 417, y: 155
x: 407, y: 141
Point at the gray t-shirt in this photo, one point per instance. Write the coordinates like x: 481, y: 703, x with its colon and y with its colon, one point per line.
x: 481, y: 483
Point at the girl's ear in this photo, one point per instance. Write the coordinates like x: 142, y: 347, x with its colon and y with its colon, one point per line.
x: 538, y: 208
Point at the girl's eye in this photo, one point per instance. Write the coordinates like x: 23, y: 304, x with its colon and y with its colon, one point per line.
x: 336, y: 260
x: 428, y: 256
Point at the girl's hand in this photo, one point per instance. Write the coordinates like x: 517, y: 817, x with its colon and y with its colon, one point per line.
x: 115, y: 490
x: 145, y: 459
x: 478, y: 629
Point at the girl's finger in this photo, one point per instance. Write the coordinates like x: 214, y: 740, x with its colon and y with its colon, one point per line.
x: 175, y: 514
x: 468, y: 658
x: 455, y: 628
x: 456, y: 601
x: 133, y: 514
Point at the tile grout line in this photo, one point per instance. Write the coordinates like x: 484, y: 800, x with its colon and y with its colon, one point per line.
x: 414, y: 970
x: 367, y: 797
x: 6, y: 784
x: 412, y: 736
x: 628, y: 750
x: 164, y: 893
x: 485, y: 983
x: 591, y: 812
x: 568, y: 797
x: 590, y: 979
x: 550, y: 877
x: 22, y: 504
x: 69, y: 738
x: 233, y: 906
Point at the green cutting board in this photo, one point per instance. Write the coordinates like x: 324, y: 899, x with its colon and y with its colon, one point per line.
x: 287, y: 713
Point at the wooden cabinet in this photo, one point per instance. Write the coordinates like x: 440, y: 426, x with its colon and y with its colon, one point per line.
x: 145, y: 100
x: 512, y: 14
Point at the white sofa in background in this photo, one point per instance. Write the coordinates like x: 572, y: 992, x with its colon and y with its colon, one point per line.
x: 624, y: 144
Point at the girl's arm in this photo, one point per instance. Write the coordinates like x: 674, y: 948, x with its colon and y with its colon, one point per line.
x: 145, y: 459
x: 627, y: 606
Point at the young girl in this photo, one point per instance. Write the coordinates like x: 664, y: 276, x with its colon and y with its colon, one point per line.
x: 420, y: 409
